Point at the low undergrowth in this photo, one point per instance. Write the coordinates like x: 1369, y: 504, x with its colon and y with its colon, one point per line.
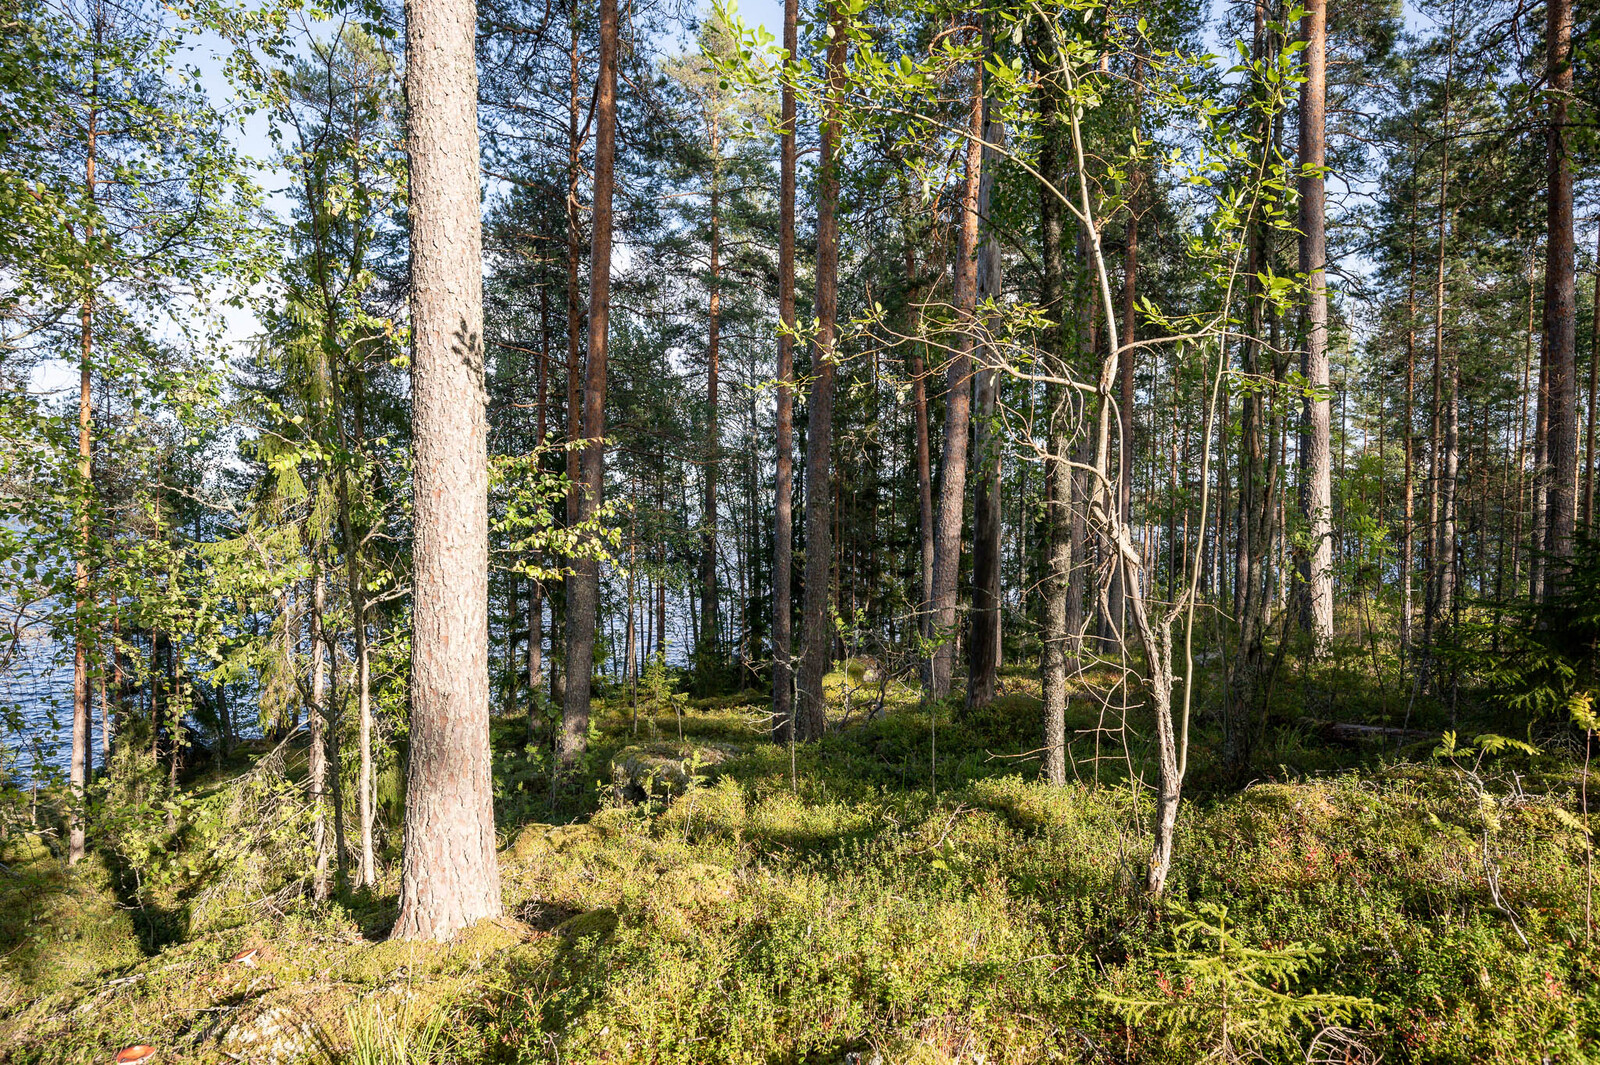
x: 828, y: 905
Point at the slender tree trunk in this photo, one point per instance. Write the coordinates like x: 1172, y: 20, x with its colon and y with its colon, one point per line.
x: 82, y: 726
x: 1435, y: 602
x: 1522, y: 441
x: 1059, y: 479
x: 574, y: 254
x: 983, y: 652
x: 1315, y: 446
x: 1257, y: 487
x: 817, y: 631
x: 583, y: 595
x: 919, y: 414
x: 536, y: 593
x: 1560, y: 302
x: 1538, y: 524
x: 1594, y: 382
x: 1126, y: 397
x: 321, y: 735
x: 450, y: 875
x: 1408, y: 549
x: 709, y: 652
x: 783, y: 489
x: 958, y: 413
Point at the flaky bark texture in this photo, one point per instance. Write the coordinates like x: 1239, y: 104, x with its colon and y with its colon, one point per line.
x: 816, y: 629
x: 958, y: 410
x: 983, y: 650
x: 1316, y: 492
x: 1560, y: 302
x: 1054, y: 653
x: 450, y: 876
x: 83, y: 634
x: 783, y: 502
x: 583, y: 596
x: 317, y: 752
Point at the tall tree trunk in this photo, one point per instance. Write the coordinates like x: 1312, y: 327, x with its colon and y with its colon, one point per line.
x: 321, y: 736
x: 1257, y: 487
x: 1316, y: 485
x: 536, y: 593
x: 1442, y: 454
x: 355, y: 585
x: 1594, y: 381
x: 84, y: 627
x: 983, y: 652
x: 574, y: 254
x: 450, y: 874
x: 783, y: 489
x: 958, y: 411
x: 1538, y: 524
x: 583, y: 595
x: 1408, y: 549
x: 816, y: 629
x: 923, y: 459
x: 709, y: 653
x: 1059, y: 479
x: 1560, y: 303
x: 1126, y: 363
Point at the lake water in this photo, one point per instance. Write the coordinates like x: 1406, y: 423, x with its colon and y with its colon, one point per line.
x: 36, y: 700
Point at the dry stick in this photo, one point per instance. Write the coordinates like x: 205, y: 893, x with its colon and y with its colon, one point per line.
x: 1588, y: 841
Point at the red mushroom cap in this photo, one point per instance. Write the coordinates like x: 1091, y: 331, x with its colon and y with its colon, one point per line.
x: 135, y: 1054
x: 246, y: 954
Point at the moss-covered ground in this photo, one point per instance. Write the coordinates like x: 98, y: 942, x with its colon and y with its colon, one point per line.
x: 905, y: 891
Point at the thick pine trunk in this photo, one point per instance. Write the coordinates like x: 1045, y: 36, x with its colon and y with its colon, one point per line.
x: 450, y: 874
x: 816, y: 630
x: 1316, y: 455
x: 1560, y: 298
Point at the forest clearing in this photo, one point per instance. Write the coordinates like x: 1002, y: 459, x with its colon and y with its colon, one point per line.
x: 855, y: 532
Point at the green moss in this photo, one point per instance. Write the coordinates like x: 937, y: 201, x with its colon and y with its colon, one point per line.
x: 840, y: 908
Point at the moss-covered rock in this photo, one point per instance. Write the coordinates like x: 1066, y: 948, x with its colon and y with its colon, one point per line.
x: 665, y: 770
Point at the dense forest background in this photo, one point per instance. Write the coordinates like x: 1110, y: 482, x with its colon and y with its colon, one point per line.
x: 1054, y: 460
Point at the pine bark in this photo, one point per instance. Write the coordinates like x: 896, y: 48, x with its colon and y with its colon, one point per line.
x: 783, y: 489
x: 1315, y: 445
x: 583, y: 595
x: 450, y: 873
x: 1059, y: 479
x: 983, y: 650
x: 958, y: 410
x: 817, y: 634
x: 1560, y: 302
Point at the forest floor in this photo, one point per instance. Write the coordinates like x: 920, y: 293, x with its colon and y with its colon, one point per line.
x: 725, y: 899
